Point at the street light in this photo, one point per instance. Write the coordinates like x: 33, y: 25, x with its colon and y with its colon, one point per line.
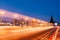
x: 38, y: 20
x: 15, y: 20
x: 34, y: 20
x: 55, y: 24
x: 15, y: 15
x: 1, y: 13
x: 26, y: 18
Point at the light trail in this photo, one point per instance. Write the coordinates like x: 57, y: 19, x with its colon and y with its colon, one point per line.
x: 45, y: 35
x: 54, y: 35
x: 24, y: 33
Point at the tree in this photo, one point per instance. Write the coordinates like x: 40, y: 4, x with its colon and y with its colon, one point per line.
x: 51, y: 19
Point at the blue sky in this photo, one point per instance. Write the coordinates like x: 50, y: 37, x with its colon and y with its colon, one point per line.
x: 41, y: 9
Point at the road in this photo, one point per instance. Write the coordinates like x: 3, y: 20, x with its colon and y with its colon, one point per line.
x: 58, y: 35
x: 40, y: 35
x: 18, y: 33
x: 45, y: 35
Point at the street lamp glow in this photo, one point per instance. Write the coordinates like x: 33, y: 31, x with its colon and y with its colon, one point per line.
x: 2, y: 12
x: 15, y: 15
x: 38, y: 20
x: 33, y: 19
x: 26, y: 18
x: 55, y: 23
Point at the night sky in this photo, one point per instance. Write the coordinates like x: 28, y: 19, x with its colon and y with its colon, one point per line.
x: 41, y: 9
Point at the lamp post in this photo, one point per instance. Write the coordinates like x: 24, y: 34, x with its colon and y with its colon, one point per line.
x: 34, y: 22
x: 26, y: 21
x: 15, y: 20
x: 1, y: 14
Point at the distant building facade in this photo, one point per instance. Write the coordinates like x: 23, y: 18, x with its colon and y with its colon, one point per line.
x: 21, y: 20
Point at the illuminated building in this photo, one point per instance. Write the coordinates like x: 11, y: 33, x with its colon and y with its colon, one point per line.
x: 19, y: 19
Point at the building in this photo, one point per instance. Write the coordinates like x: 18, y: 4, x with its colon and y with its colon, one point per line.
x: 21, y: 20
